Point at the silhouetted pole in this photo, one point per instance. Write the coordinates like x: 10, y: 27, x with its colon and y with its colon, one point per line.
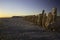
x: 42, y: 17
x: 43, y: 12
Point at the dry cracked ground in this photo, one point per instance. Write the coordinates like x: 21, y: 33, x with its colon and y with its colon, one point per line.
x: 19, y: 29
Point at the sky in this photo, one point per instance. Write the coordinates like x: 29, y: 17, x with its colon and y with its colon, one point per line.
x: 10, y: 8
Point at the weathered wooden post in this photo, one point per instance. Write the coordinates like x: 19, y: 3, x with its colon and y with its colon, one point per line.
x: 39, y: 19
x: 54, y: 13
x: 50, y: 17
x: 44, y: 20
x: 49, y: 20
x: 43, y: 16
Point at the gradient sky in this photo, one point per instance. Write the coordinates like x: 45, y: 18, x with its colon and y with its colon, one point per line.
x: 26, y: 7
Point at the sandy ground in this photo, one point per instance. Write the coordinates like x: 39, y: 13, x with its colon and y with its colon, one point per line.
x: 19, y: 29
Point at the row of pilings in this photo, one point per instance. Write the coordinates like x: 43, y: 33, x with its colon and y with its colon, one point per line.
x: 42, y: 19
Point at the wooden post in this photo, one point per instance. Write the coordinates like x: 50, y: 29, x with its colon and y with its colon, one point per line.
x: 54, y: 13
x: 44, y: 20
